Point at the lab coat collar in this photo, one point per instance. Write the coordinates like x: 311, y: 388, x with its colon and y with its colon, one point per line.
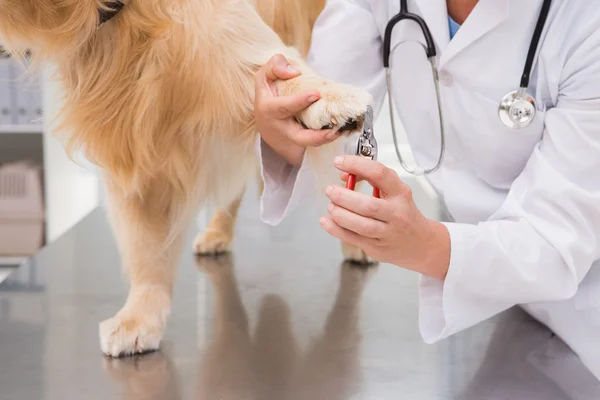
x: 435, y: 14
x: 486, y: 16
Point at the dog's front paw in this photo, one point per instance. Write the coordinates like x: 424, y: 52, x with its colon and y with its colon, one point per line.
x: 139, y: 326
x: 211, y: 242
x: 127, y: 335
x: 341, y: 108
x: 355, y: 255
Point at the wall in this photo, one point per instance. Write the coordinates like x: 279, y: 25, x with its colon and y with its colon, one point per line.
x: 72, y: 190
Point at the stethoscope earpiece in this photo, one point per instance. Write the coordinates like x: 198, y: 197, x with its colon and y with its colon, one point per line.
x: 517, y: 109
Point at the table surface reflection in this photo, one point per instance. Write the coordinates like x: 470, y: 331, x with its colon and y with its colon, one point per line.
x: 279, y: 318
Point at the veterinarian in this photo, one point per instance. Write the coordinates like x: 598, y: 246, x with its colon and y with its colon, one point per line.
x: 521, y: 185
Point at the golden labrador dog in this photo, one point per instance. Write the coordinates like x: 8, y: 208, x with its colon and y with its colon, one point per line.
x: 160, y: 94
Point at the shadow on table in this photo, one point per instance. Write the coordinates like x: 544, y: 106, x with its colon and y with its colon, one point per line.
x: 525, y: 360
x: 265, y: 365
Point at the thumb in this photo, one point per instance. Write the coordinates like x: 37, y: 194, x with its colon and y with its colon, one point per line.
x: 287, y: 106
x: 311, y: 137
x: 276, y: 68
x: 280, y: 68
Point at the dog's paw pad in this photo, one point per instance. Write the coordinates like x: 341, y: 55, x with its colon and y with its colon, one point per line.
x: 211, y: 243
x: 124, y: 336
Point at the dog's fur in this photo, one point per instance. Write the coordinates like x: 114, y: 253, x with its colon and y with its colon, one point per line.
x: 161, y: 99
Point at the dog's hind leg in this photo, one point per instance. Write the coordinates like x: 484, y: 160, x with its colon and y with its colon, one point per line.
x: 143, y: 226
x: 218, y: 236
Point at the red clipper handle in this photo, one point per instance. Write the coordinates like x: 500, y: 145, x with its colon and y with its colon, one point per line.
x: 351, y: 184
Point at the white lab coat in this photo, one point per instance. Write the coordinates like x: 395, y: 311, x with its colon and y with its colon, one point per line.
x: 524, y: 204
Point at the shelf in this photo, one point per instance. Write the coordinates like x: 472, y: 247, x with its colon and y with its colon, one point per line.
x: 4, y: 273
x: 11, y: 261
x: 23, y: 129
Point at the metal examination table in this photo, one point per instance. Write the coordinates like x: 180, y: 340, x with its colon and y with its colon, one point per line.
x: 280, y: 318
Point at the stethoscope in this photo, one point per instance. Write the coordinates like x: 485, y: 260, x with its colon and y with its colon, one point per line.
x: 516, y: 110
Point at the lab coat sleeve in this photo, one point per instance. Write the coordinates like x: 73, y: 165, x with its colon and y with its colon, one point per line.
x: 355, y: 61
x: 284, y: 184
x: 543, y: 240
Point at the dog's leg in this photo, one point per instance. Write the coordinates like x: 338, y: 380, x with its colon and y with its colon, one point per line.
x: 341, y: 107
x: 142, y: 225
x: 355, y: 255
x: 218, y: 236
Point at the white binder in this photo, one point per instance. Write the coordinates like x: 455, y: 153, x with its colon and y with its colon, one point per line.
x: 6, y: 110
x: 20, y: 97
x: 34, y: 101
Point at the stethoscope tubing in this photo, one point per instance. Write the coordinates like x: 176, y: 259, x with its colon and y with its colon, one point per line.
x: 431, y: 56
x: 389, y: 29
x: 418, y: 171
x: 535, y: 40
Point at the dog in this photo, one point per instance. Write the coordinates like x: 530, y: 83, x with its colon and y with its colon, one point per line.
x: 159, y: 94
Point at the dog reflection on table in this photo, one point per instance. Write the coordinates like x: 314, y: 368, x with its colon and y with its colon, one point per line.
x: 266, y: 365
x: 151, y: 376
x: 269, y: 363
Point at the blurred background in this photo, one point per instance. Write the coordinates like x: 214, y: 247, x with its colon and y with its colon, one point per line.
x: 43, y: 193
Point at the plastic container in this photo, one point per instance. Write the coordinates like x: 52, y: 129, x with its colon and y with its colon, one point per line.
x: 21, y: 209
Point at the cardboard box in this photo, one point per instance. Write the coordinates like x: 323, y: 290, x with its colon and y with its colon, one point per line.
x: 21, y: 209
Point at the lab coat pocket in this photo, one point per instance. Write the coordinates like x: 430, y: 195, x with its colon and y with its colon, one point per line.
x: 499, y: 153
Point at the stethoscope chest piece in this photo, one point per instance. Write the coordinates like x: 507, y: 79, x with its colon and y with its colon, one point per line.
x: 517, y: 109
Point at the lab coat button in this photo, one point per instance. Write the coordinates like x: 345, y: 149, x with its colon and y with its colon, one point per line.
x: 446, y: 78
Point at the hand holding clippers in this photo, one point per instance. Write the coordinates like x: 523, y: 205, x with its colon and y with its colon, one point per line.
x: 364, y: 144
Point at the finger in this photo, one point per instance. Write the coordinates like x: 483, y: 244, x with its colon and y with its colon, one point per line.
x: 310, y: 137
x: 367, y: 227
x: 337, y: 231
x: 377, y: 174
x: 276, y: 68
x: 281, y: 68
x: 360, y: 203
x: 288, y: 106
